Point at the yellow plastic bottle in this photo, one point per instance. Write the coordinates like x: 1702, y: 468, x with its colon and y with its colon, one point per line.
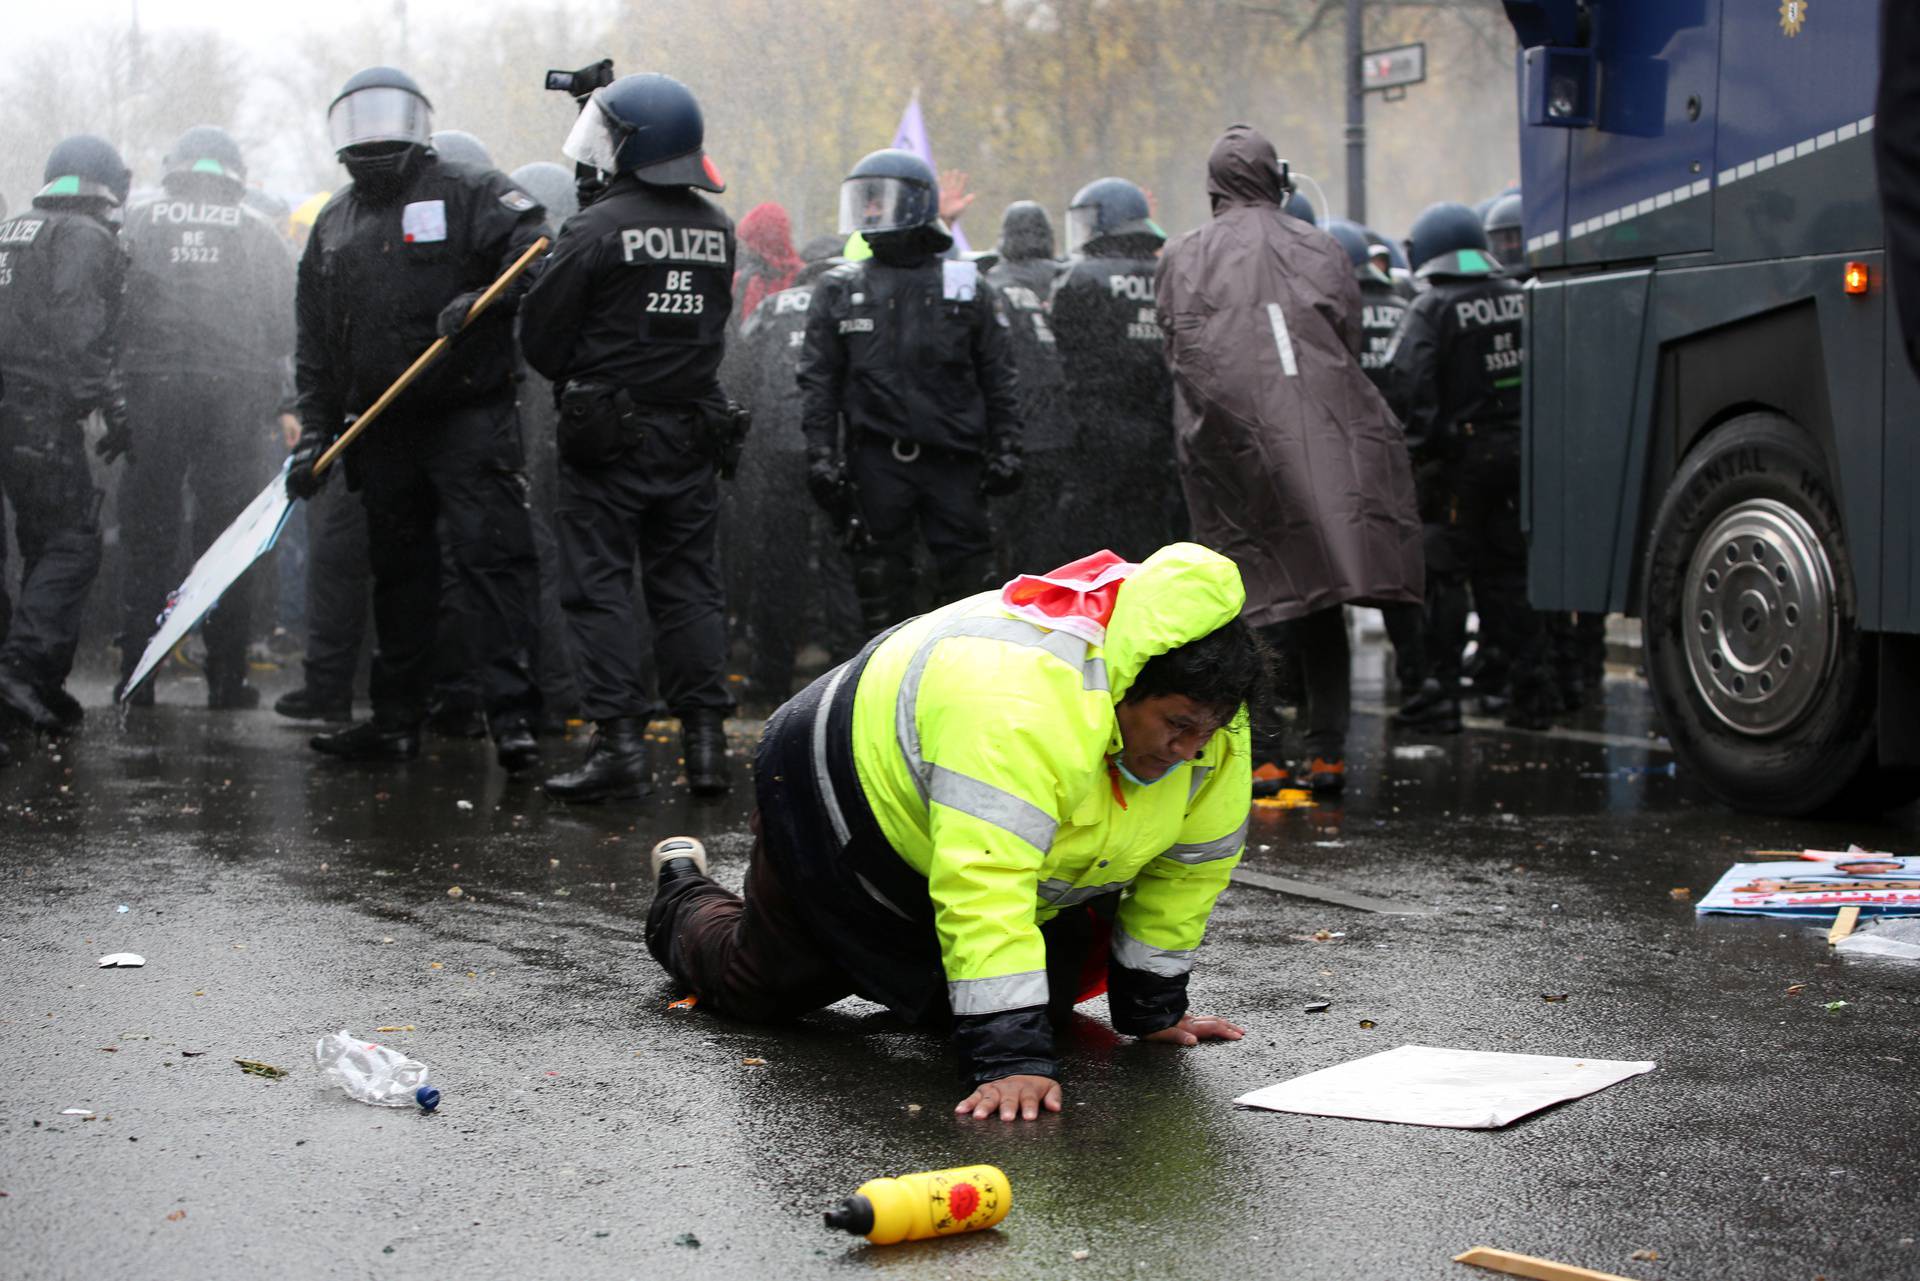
x: 914, y: 1207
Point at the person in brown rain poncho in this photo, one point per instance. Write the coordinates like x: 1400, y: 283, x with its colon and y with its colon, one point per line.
x: 1292, y: 463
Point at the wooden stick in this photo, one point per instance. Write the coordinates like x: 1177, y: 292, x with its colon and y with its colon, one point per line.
x: 1843, y: 924
x: 427, y: 357
x: 1525, y: 1265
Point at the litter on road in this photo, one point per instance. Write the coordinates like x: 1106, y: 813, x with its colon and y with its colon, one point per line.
x: 254, y: 1067
x: 1431, y: 1085
x: 913, y: 1207
x: 1876, y: 884
x: 122, y: 961
x: 1896, y: 939
x: 1526, y: 1265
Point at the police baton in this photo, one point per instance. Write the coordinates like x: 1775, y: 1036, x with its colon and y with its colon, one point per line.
x: 428, y: 356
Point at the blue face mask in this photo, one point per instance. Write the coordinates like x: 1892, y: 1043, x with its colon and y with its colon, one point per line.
x: 1120, y: 763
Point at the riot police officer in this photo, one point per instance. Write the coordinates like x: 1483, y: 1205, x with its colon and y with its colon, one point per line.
x: 629, y: 319
x: 800, y: 583
x: 208, y: 330
x: 1506, y: 241
x: 1116, y: 368
x: 1454, y: 376
x: 1024, y: 268
x: 912, y: 351
x: 61, y: 274
x: 395, y: 258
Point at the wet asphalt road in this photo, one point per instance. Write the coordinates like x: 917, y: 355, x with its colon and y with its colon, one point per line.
x: 588, y: 1131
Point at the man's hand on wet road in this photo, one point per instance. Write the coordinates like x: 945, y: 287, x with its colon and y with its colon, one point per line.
x: 1195, y: 1028
x: 1012, y: 1096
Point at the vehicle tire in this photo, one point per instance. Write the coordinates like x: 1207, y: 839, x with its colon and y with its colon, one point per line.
x: 1762, y: 678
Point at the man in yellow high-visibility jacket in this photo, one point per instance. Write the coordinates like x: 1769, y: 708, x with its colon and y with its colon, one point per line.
x: 954, y: 820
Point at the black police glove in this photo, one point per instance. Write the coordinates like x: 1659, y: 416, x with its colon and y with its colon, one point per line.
x: 826, y: 478
x: 302, y: 480
x: 1003, y: 473
x: 117, y: 443
x: 453, y: 316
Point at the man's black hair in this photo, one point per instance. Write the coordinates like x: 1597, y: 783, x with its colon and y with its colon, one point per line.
x: 1228, y: 669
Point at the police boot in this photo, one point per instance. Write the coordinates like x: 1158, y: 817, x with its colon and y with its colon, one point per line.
x: 617, y: 765
x: 703, y: 742
x: 228, y: 691
x: 18, y: 695
x: 63, y: 705
x: 1436, y: 708
x: 372, y: 740
x: 514, y: 747
x: 309, y: 704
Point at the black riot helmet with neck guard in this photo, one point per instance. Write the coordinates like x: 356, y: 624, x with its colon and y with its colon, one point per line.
x: 380, y: 125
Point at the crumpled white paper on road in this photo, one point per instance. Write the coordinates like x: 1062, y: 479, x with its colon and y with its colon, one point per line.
x: 1428, y: 1085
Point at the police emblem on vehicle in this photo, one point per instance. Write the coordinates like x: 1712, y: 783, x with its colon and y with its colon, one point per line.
x: 1793, y: 16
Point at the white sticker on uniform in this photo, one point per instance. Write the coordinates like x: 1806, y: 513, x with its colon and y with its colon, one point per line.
x: 959, y: 280
x: 518, y: 201
x: 424, y: 221
x: 1282, y: 339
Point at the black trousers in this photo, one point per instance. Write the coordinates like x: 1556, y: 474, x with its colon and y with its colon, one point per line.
x: 1319, y: 644
x: 939, y: 493
x: 539, y: 420
x: 56, y: 513
x: 800, y: 583
x: 338, y: 583
x: 1131, y: 501
x: 1482, y: 543
x: 202, y: 435
x: 457, y: 475
x: 658, y: 503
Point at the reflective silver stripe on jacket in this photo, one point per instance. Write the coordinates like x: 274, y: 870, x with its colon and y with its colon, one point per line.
x: 1068, y: 648
x: 821, y: 778
x: 1207, y: 851
x: 990, y: 804
x: 1200, y: 773
x: 990, y: 996
x: 1066, y: 894
x: 1168, y: 963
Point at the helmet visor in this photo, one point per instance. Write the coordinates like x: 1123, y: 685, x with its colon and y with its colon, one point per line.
x: 882, y: 204
x: 378, y: 113
x: 596, y: 137
x: 1508, y: 246
x: 1083, y: 225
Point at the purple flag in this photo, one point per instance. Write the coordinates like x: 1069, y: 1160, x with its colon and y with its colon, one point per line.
x: 912, y: 136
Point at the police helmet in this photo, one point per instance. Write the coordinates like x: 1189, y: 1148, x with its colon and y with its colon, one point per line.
x: 85, y: 167
x: 1300, y: 207
x: 206, y: 149
x: 377, y: 108
x: 1026, y: 232
x: 1444, y: 228
x: 648, y: 125
x: 1353, y: 238
x: 1108, y: 207
x: 461, y: 147
x: 1505, y: 238
x: 552, y: 186
x: 889, y: 190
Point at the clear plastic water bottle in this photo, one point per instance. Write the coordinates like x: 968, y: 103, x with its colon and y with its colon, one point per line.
x: 372, y: 1073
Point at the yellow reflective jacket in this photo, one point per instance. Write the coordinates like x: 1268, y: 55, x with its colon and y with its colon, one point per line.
x: 982, y: 741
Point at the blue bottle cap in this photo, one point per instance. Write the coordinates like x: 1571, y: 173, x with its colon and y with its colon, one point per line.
x: 427, y: 1097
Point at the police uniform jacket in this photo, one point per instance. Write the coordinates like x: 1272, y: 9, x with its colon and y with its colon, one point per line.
x: 61, y: 274
x: 209, y: 288
x: 1025, y: 284
x: 1110, y: 339
x: 636, y: 294
x: 375, y: 278
x: 768, y: 356
x: 1455, y: 366
x: 1382, y: 307
x: 914, y: 353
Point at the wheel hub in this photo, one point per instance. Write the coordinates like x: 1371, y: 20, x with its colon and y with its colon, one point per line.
x: 1758, y: 617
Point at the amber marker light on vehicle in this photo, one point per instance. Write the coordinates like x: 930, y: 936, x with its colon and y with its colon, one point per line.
x: 1857, y: 277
